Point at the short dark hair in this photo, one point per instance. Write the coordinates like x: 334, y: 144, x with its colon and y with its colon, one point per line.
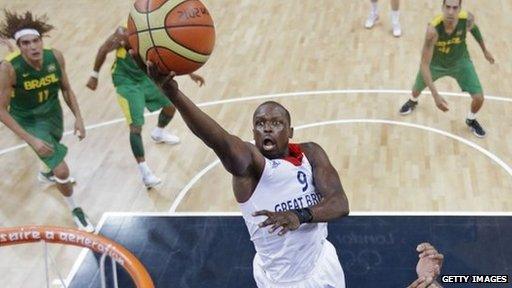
x: 460, y: 2
x: 14, y: 22
x: 287, y: 113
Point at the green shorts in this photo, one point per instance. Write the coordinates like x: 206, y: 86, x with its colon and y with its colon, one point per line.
x: 464, y: 72
x: 134, y: 96
x: 49, y: 129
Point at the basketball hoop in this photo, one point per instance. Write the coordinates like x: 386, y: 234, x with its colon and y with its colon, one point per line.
x: 99, y: 244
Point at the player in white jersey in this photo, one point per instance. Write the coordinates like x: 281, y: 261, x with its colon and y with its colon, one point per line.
x: 286, y: 192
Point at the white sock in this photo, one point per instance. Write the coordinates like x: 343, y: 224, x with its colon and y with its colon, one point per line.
x: 471, y: 116
x: 413, y: 99
x: 158, y: 131
x: 144, y: 169
x: 375, y: 8
x: 395, y: 16
x: 71, y: 202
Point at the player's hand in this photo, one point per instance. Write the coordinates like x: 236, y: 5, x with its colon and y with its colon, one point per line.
x: 286, y: 220
x: 197, y: 78
x: 421, y: 282
x: 441, y: 103
x: 166, y: 82
x: 92, y: 83
x: 79, y: 129
x: 430, y: 262
x: 489, y: 56
x: 42, y: 148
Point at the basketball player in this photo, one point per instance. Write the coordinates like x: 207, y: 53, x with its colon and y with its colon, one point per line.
x: 286, y: 193
x: 46, y: 175
x: 30, y: 80
x: 445, y: 54
x: 136, y: 91
x: 395, y: 17
x: 428, y: 267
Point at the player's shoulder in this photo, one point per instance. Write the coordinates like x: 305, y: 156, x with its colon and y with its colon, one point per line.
x: 436, y: 21
x: 13, y: 55
x: 6, y: 68
x: 464, y: 15
x: 312, y: 150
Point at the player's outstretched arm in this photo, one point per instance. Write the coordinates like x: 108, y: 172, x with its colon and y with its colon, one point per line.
x: 238, y: 157
x: 334, y: 203
x: 7, y: 76
x: 426, y: 57
x: 475, y: 31
x: 69, y: 96
x: 113, y: 42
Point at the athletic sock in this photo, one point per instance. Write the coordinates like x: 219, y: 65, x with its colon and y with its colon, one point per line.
x: 144, y: 169
x: 71, y: 202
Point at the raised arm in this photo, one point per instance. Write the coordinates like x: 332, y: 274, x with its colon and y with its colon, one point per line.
x: 70, y: 97
x: 334, y: 203
x: 112, y: 43
x: 238, y: 157
x: 475, y: 31
x: 7, y: 80
x: 426, y: 57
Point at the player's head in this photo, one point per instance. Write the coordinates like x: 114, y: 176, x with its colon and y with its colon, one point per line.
x: 272, y: 129
x: 27, y: 30
x: 451, y: 9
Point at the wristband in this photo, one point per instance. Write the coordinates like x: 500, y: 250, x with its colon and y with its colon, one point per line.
x: 304, y: 214
x: 95, y: 74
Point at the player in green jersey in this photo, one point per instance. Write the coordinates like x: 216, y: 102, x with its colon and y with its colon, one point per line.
x: 445, y: 54
x: 30, y: 80
x: 135, y: 91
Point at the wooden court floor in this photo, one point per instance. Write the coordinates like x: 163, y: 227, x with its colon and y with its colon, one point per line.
x: 316, y: 58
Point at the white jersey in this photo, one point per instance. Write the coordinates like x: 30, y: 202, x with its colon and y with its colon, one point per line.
x: 284, y: 186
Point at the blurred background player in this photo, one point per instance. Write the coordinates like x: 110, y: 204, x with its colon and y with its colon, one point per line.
x: 373, y: 17
x: 30, y: 80
x: 445, y: 54
x: 136, y: 91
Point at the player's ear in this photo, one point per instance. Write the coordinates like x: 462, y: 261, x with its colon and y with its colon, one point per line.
x: 291, y: 133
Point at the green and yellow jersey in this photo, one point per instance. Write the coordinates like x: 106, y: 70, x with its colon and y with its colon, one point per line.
x: 125, y: 69
x: 36, y: 92
x: 450, y: 48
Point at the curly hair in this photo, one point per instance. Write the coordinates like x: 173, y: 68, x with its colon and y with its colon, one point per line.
x: 15, y: 22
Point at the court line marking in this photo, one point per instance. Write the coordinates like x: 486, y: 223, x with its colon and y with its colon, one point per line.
x: 276, y: 95
x: 355, y: 213
x: 471, y: 144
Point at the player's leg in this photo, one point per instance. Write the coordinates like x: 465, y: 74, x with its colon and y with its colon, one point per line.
x: 395, y: 18
x: 155, y: 100
x: 373, y: 16
x: 45, y: 175
x: 468, y: 81
x: 61, y: 174
x: 411, y: 103
x: 131, y: 101
x: 419, y: 86
x: 148, y: 177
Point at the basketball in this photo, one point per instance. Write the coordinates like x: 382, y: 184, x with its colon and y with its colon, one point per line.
x: 176, y: 35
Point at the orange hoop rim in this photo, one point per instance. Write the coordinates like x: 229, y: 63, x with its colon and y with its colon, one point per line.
x: 69, y: 236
